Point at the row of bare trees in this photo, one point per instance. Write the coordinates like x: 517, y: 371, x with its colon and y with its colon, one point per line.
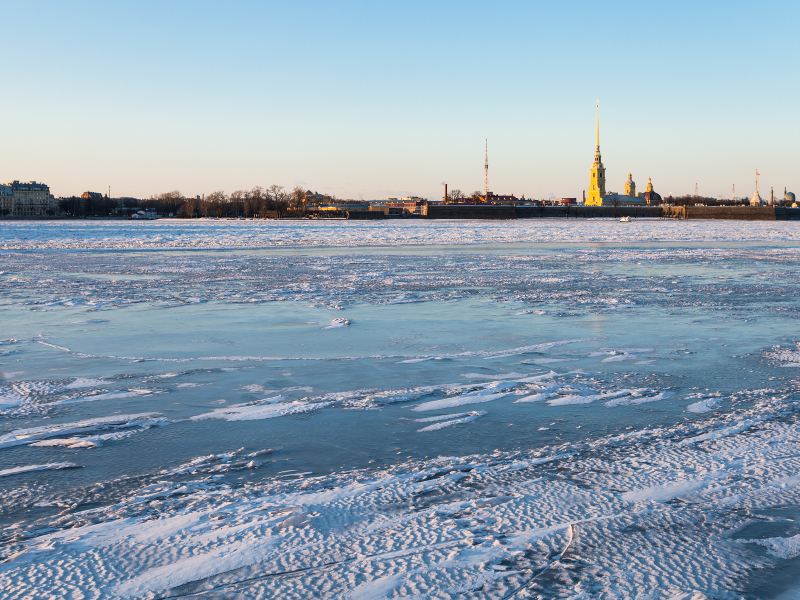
x: 259, y: 202
x: 455, y: 196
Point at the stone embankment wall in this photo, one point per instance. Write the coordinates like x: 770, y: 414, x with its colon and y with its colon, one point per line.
x: 743, y: 213
x: 587, y: 212
x: 470, y: 211
x: 488, y: 211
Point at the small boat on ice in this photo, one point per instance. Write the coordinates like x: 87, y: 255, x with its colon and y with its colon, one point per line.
x: 625, y: 219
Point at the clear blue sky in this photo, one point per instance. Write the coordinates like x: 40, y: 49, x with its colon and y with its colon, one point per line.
x: 375, y: 99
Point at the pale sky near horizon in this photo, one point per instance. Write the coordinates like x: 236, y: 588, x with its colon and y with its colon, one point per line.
x: 376, y: 99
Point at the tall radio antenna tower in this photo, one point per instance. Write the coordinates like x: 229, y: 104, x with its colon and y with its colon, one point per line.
x: 486, y: 169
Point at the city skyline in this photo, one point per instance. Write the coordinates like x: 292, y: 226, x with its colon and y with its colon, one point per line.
x: 367, y: 102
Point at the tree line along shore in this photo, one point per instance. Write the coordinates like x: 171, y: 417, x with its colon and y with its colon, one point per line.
x: 263, y: 202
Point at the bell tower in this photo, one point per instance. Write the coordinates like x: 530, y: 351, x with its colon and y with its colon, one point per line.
x: 630, y: 186
x: 597, y: 174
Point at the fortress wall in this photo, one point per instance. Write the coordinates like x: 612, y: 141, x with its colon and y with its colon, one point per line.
x: 470, y: 211
x: 587, y: 212
x: 787, y: 214
x: 489, y: 211
x: 481, y: 211
x: 744, y: 213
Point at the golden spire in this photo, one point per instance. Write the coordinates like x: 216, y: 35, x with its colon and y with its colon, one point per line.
x: 597, y: 125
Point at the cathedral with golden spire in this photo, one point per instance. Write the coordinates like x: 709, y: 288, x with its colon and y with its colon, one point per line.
x: 597, y: 174
x: 598, y: 196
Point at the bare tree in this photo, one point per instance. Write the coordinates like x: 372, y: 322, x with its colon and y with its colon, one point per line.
x: 214, y: 205
x: 278, y: 199
x: 298, y: 199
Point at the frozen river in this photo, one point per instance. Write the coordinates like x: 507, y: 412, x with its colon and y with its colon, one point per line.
x: 388, y: 409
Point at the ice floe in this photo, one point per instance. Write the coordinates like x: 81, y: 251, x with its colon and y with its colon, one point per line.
x: 785, y: 357
x: 476, y: 397
x: 703, y: 402
x: 267, y: 408
x: 338, y: 322
x: 20, y: 437
x: 780, y: 547
x: 55, y: 466
x: 84, y: 382
x: 130, y: 393
x: 450, y: 420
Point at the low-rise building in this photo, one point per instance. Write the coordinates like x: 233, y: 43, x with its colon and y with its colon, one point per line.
x: 392, y: 207
x: 92, y: 196
x: 345, y: 206
x: 407, y: 205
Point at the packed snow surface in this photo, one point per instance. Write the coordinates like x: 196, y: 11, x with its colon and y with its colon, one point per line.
x: 448, y: 409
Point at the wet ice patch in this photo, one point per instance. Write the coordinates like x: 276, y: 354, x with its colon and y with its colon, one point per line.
x: 255, y: 388
x: 494, y: 354
x: 546, y: 361
x: 627, y: 354
x: 10, y: 398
